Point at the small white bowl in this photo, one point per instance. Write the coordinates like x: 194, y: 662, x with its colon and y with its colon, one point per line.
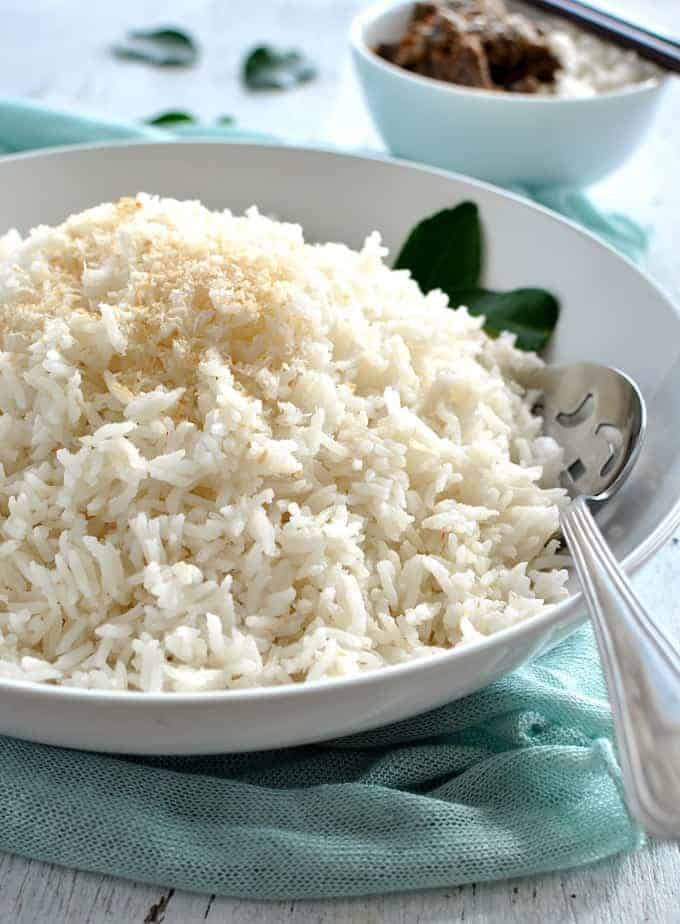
x: 504, y: 138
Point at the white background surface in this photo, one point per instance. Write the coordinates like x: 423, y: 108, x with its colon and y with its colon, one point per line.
x: 55, y: 51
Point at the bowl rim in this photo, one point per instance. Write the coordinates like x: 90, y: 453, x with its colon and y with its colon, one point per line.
x: 564, y: 611
x: 370, y: 14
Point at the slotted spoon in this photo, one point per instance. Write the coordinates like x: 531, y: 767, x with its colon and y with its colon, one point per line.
x: 598, y: 417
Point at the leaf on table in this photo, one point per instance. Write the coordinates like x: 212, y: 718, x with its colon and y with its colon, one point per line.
x: 178, y: 118
x: 269, y: 68
x: 165, y: 47
x: 171, y: 117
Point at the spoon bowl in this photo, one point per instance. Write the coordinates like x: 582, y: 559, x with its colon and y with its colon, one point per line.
x: 598, y: 417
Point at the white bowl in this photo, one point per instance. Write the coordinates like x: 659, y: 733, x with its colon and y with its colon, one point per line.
x: 504, y: 138
x: 610, y: 313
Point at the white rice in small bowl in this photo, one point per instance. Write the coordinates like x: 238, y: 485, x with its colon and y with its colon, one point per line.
x: 588, y: 64
x: 232, y: 459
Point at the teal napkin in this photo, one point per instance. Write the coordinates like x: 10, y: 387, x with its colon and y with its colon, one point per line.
x: 517, y: 779
x: 25, y: 126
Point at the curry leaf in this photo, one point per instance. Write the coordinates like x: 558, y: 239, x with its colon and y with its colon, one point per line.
x: 172, y: 117
x: 178, y: 118
x: 445, y: 251
x: 530, y: 314
x: 269, y: 68
x: 166, y: 47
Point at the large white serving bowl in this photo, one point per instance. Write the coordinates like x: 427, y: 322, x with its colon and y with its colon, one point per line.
x: 505, y: 138
x: 611, y: 313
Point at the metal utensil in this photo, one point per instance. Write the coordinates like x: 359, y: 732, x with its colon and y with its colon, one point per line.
x: 597, y: 415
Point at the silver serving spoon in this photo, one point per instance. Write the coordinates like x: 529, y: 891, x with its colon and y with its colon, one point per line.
x: 598, y: 416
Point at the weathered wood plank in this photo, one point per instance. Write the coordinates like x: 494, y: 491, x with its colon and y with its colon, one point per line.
x: 643, y: 887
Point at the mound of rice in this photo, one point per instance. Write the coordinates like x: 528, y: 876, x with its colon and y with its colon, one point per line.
x: 230, y: 458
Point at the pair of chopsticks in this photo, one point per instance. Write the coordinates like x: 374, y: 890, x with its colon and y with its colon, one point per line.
x: 663, y: 51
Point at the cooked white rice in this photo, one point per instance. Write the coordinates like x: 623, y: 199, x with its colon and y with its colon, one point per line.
x: 230, y: 458
x: 588, y: 64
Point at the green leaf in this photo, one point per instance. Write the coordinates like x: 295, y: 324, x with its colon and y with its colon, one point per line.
x: 172, y: 117
x: 178, y: 119
x: 269, y: 68
x: 531, y: 314
x: 166, y: 47
x: 445, y: 250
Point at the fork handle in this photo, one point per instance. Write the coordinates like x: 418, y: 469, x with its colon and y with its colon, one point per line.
x: 642, y: 669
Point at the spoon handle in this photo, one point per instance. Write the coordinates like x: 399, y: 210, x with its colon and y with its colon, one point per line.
x: 642, y: 668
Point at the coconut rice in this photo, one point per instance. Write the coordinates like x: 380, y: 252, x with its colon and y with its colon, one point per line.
x: 230, y: 458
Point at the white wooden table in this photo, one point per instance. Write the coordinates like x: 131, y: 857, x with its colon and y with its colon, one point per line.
x: 56, y: 52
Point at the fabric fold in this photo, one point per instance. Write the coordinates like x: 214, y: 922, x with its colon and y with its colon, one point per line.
x: 515, y: 780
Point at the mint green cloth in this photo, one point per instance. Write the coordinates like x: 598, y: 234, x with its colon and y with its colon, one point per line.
x: 517, y: 779
x: 25, y: 126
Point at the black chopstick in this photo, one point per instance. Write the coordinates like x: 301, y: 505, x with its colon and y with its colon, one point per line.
x: 664, y: 52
